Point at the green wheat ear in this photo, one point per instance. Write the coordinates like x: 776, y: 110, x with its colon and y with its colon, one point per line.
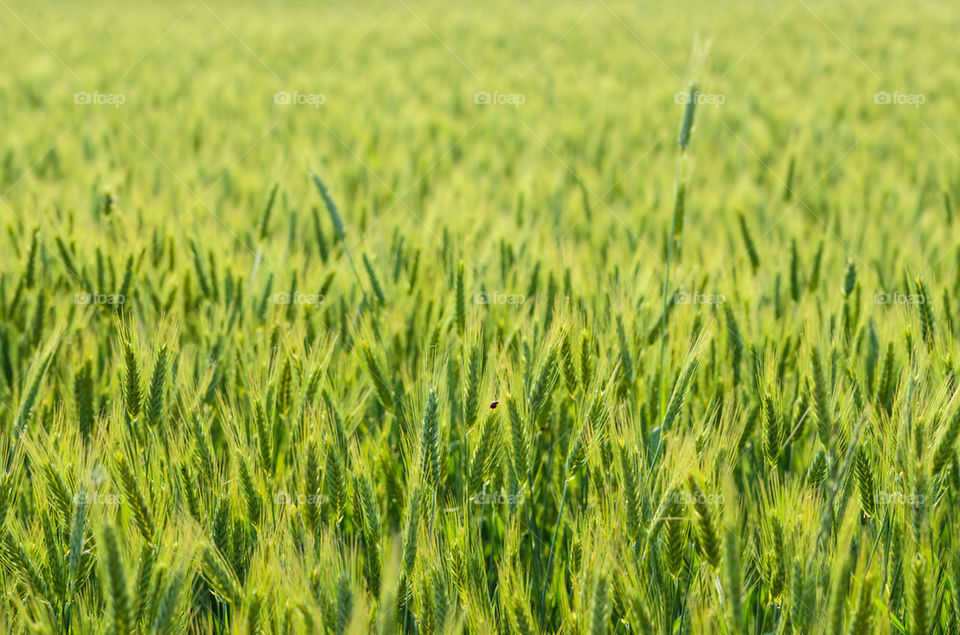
x: 29, y: 273
x: 471, y: 392
x: 369, y: 511
x: 485, y: 455
x: 167, y: 605
x: 686, y: 127
x: 706, y: 533
x: 946, y: 448
x: 138, y: 504
x: 378, y: 377
x: 919, y: 615
x: 586, y: 368
x: 631, y: 486
x: 546, y: 380
x: 461, y: 308
x: 430, y: 443
x: 519, y: 444
x: 131, y: 380
x: 265, y: 218
x: 817, y: 472
x: 675, y: 540
x: 374, y: 280
x: 157, y: 383
x: 600, y: 605
x: 331, y: 209
x: 21, y: 562
x: 865, y: 482
x: 116, y: 582
x: 335, y: 483
x: 772, y: 427
x: 311, y: 486
x: 568, y: 364
x: 863, y: 616
x: 679, y: 394
x: 795, y: 288
x: 32, y: 390
x: 748, y: 243
x: 731, y: 551
x: 77, y: 537
x: 926, y: 313
x: 821, y: 400
x: 219, y: 576
x: 144, y: 578
x: 83, y: 395
x: 802, y: 596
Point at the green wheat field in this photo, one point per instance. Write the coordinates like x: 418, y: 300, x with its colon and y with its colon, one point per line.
x: 510, y: 317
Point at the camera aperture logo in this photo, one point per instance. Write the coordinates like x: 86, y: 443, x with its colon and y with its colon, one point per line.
x: 296, y: 98
x: 96, y: 98
x: 497, y: 98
